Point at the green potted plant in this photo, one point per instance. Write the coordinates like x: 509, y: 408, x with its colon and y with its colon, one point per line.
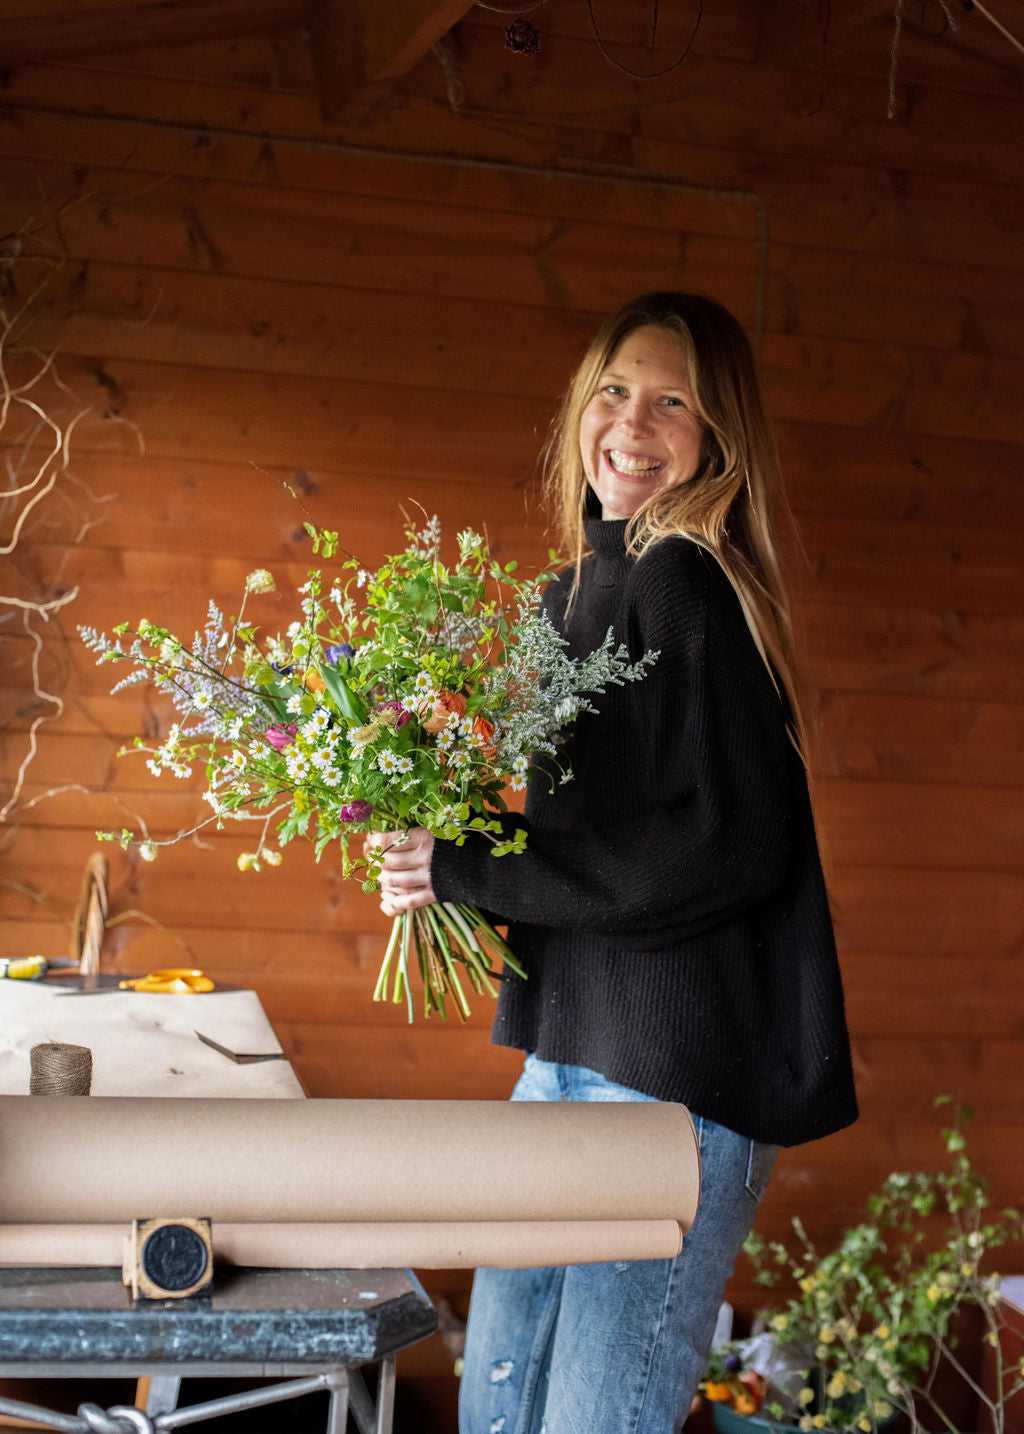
x: 867, y: 1326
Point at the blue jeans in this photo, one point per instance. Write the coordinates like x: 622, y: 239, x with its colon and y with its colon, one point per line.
x: 611, y: 1348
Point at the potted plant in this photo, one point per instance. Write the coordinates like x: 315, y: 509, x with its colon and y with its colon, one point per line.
x: 867, y: 1326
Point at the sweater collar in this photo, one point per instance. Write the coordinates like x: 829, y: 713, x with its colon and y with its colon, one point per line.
x: 607, y: 539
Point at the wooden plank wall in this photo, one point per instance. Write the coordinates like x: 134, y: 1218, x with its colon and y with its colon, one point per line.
x: 385, y: 314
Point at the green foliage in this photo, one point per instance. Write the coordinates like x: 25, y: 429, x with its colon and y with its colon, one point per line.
x: 876, y: 1313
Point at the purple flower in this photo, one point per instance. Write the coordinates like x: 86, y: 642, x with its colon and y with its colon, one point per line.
x: 283, y: 669
x: 356, y: 811
x: 340, y: 650
x: 732, y: 1364
x: 281, y: 737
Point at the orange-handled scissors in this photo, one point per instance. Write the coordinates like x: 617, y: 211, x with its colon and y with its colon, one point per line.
x: 176, y: 981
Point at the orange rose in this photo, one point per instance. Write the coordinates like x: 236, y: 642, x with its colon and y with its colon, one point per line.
x: 444, y: 705
x: 314, y: 682
x: 485, y: 729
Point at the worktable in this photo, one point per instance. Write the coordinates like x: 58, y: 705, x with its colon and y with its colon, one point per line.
x: 311, y: 1328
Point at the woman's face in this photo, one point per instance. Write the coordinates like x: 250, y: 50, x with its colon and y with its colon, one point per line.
x: 639, y: 432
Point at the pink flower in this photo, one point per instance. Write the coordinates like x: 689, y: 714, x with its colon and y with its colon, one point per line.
x: 356, y: 811
x: 281, y: 737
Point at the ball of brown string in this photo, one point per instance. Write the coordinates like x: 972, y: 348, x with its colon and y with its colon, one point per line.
x: 59, y: 1069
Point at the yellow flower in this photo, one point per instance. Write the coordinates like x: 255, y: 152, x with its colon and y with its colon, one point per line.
x: 819, y: 1421
x: 933, y: 1293
x: 853, y: 1386
x: 246, y: 860
x: 864, y: 1423
x: 272, y: 858
x: 805, y: 1396
x: 880, y: 1408
x: 806, y: 1423
x: 967, y: 1271
x: 779, y: 1321
x: 883, y: 1332
x: 836, y: 1387
x: 808, y: 1283
x: 827, y: 1334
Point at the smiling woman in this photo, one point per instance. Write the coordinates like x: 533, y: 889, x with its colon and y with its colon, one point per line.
x: 669, y: 908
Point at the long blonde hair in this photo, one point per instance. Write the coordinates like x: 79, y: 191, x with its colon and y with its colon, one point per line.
x: 734, y: 505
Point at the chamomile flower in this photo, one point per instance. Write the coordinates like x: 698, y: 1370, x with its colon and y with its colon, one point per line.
x: 322, y: 759
x: 298, y: 766
x: 518, y: 782
x: 319, y: 722
x: 404, y: 764
x: 154, y: 766
x: 238, y: 760
x: 294, y: 704
x: 330, y: 776
x: 387, y: 761
x: 201, y: 701
x: 460, y: 759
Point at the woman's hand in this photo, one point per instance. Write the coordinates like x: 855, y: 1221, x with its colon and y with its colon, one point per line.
x: 405, y: 871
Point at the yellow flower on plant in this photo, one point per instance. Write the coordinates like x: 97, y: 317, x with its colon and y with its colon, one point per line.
x: 805, y: 1396
x: 827, y: 1334
x: 836, y: 1387
x: 864, y: 1423
x: 853, y: 1386
x: 933, y: 1293
x: 819, y: 1421
x: 806, y: 1424
x: 779, y: 1322
x: 808, y: 1283
x: 883, y: 1332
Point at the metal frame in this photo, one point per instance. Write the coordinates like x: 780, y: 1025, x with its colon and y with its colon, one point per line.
x: 348, y: 1394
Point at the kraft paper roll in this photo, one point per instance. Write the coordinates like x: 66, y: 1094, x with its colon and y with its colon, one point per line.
x: 361, y: 1183
x: 253, y: 1161
x: 450, y: 1245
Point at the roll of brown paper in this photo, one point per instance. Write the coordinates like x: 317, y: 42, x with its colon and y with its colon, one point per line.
x: 453, y: 1165
x: 439, y: 1245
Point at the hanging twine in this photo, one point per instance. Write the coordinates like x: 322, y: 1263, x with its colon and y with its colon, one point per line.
x: 89, y: 925
x: 59, y: 1069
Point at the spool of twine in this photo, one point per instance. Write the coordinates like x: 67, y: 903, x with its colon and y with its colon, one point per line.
x: 59, y: 1069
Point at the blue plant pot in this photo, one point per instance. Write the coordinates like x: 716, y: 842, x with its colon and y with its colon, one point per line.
x: 727, y: 1421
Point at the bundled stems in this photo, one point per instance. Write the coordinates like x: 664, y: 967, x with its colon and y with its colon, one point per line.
x: 442, y: 937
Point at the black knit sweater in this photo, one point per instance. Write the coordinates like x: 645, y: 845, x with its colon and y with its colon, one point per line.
x: 670, y: 909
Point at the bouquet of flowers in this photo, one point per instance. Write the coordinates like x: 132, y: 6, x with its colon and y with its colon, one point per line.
x: 409, y: 696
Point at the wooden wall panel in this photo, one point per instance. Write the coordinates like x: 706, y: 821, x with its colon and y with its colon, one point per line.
x: 383, y: 314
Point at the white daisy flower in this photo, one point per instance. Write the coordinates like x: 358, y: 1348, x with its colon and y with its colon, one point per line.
x: 331, y: 776
x: 387, y: 761
x: 294, y: 704
x: 201, y: 701
x: 404, y: 764
x: 460, y: 759
x: 518, y: 783
x: 298, y: 766
x: 238, y: 760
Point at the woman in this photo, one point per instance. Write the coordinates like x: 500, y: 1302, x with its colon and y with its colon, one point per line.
x: 670, y: 909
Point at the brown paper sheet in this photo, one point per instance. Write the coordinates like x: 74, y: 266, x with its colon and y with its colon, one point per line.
x: 438, y: 1245
x: 474, y: 1171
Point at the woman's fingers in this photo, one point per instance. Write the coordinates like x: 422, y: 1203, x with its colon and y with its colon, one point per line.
x: 405, y: 868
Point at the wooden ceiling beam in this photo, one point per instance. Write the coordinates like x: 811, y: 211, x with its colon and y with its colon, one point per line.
x: 52, y: 32
x: 787, y: 28
x: 360, y: 47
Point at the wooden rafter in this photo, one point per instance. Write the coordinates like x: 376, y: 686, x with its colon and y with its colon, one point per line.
x: 363, y: 46
x: 44, y: 30
x: 789, y: 27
